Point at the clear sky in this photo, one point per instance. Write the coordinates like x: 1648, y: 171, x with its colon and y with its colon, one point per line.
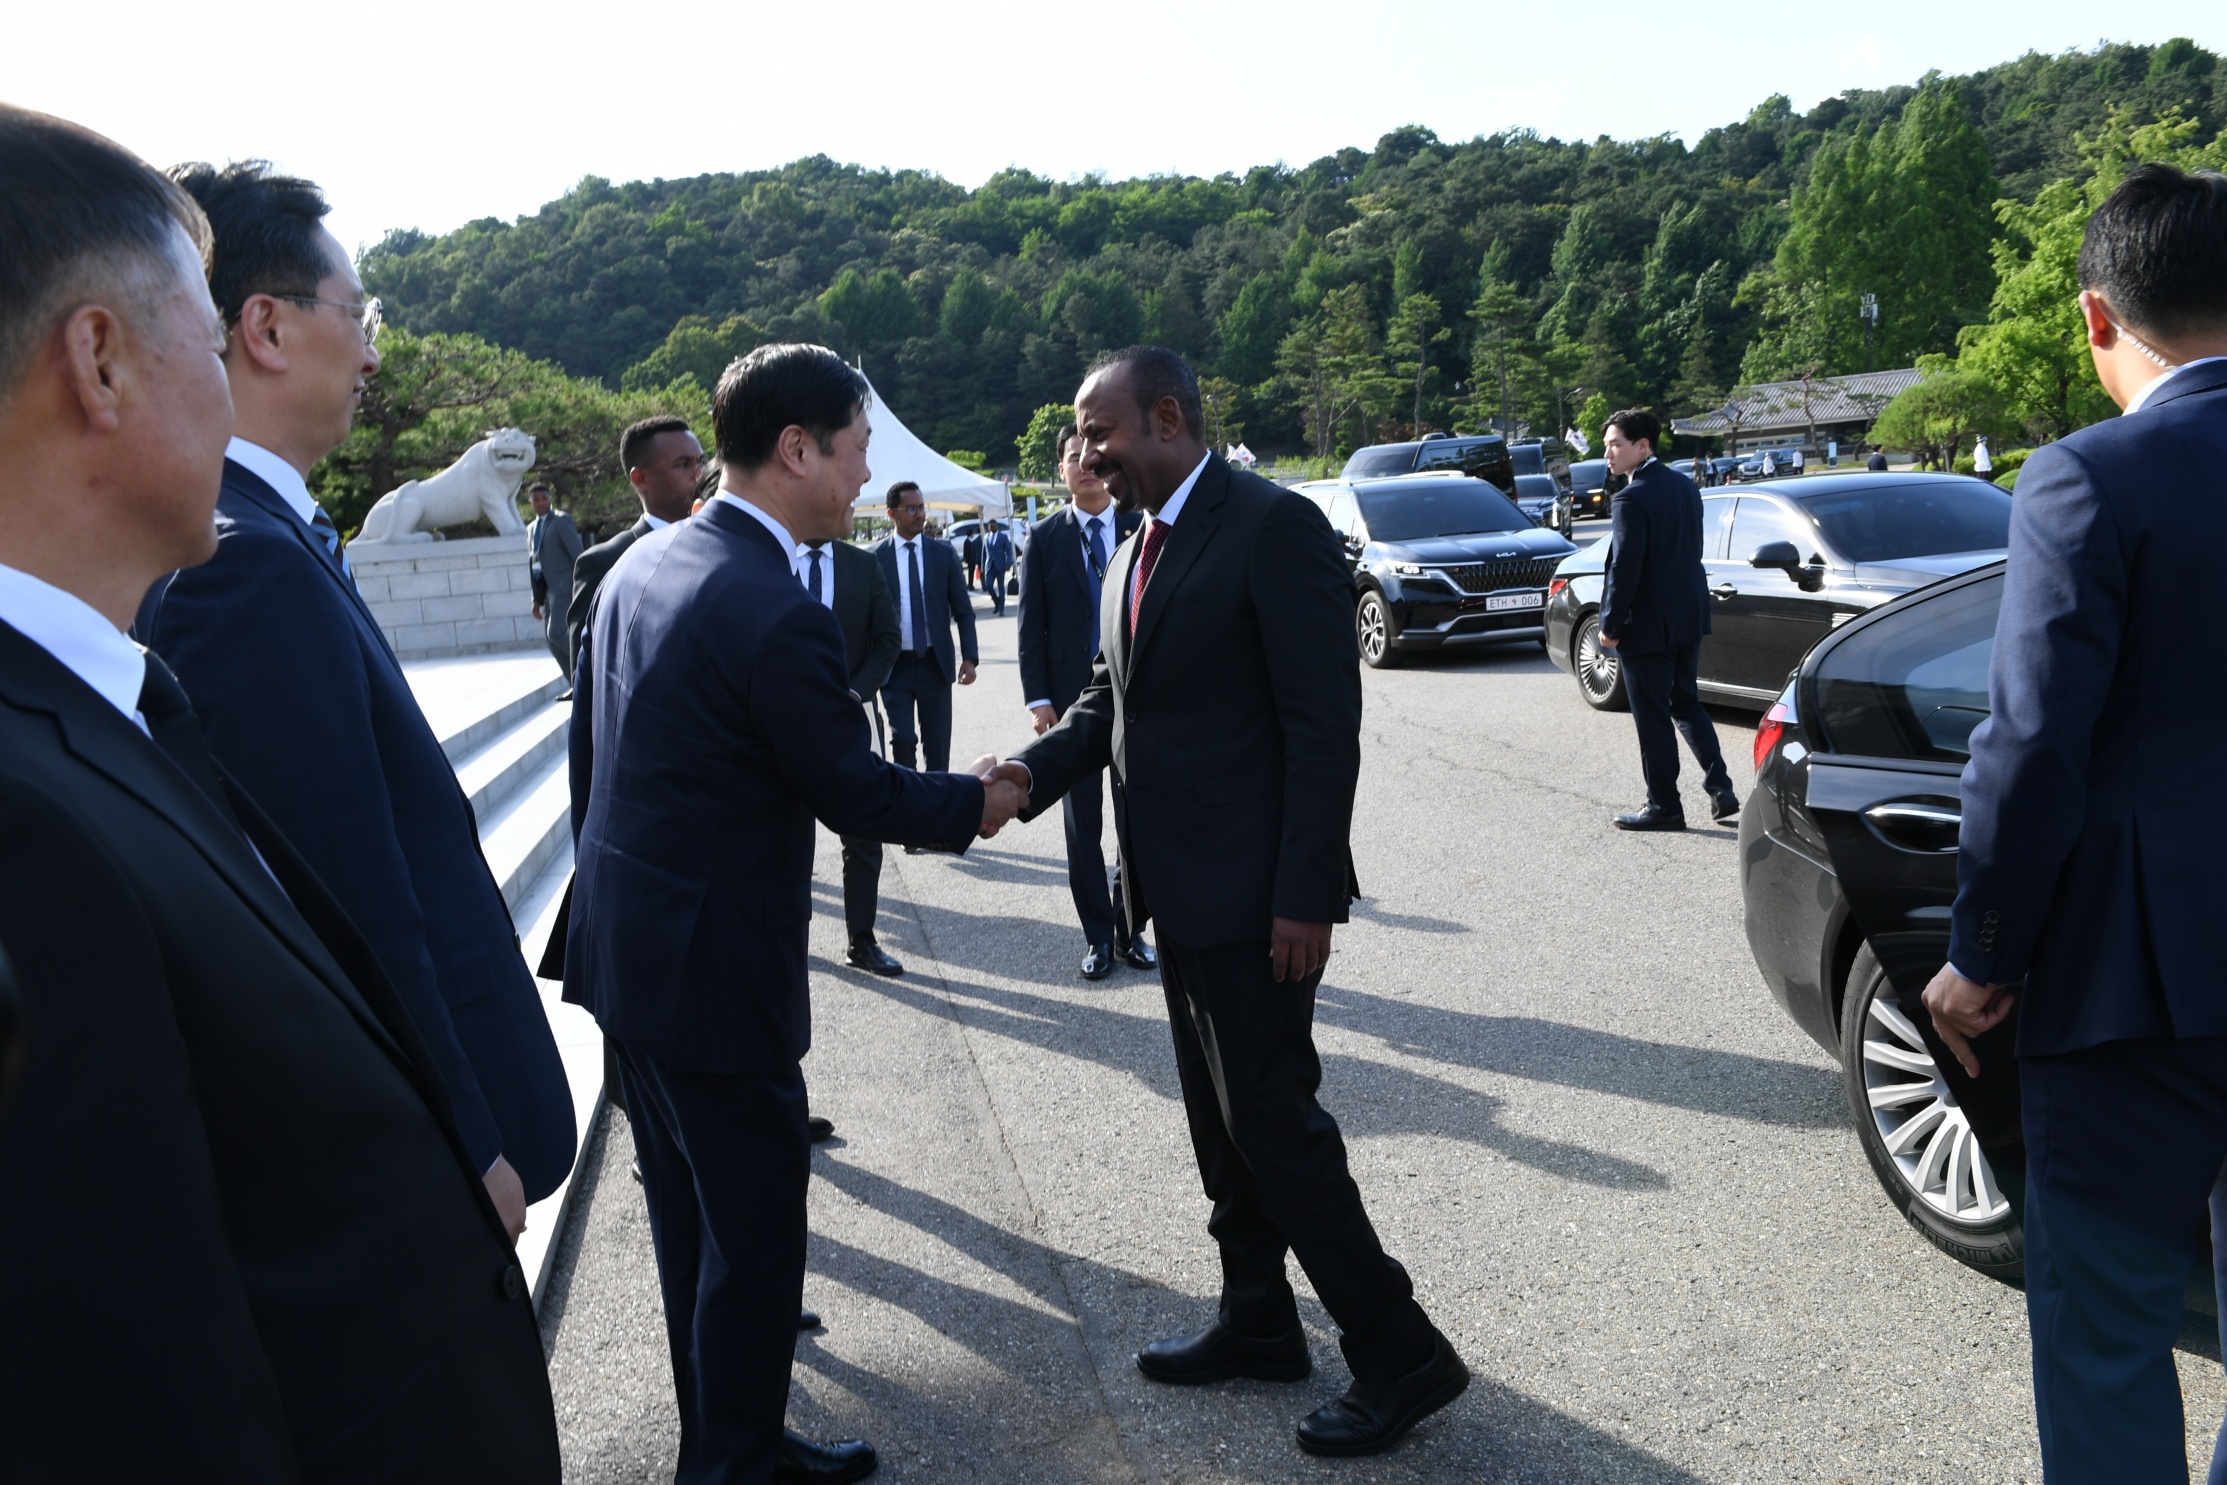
x: 428, y: 113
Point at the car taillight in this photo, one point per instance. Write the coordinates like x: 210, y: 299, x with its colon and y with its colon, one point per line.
x: 1772, y: 730
x: 1556, y: 585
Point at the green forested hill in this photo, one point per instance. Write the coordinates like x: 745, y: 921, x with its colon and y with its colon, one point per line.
x: 1355, y: 296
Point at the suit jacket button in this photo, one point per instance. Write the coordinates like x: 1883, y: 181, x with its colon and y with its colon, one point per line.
x: 514, y: 1282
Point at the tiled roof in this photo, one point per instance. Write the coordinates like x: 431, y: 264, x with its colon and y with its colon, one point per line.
x: 1771, y: 406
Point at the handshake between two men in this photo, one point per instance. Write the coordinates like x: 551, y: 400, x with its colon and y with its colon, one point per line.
x: 1005, y: 790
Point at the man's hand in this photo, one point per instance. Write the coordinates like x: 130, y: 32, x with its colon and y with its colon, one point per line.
x: 510, y: 1197
x: 1607, y: 643
x: 1045, y: 717
x: 966, y: 672
x: 1962, y: 1010
x: 1296, y: 950
x: 537, y: 610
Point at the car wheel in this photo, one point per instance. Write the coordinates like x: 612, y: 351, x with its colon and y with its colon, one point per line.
x: 1372, y: 624
x: 1600, y: 680
x: 1920, y: 1145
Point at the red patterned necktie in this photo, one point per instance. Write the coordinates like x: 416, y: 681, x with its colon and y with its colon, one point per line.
x: 1154, y: 538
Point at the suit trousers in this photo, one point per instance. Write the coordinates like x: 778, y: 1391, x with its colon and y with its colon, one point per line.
x: 862, y: 886
x: 1665, y: 701
x: 725, y: 1162
x: 915, y: 684
x: 993, y: 583
x: 553, y: 630
x: 1274, y: 1164
x: 2124, y: 1148
x: 1103, y: 913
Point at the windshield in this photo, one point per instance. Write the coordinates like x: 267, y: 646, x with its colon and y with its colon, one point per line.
x: 1449, y: 508
x: 1396, y: 458
x: 1884, y: 523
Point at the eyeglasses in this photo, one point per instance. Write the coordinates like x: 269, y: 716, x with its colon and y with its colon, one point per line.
x: 371, y: 314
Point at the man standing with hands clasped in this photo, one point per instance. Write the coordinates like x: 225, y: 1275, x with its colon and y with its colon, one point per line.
x: 1654, y: 611
x: 923, y: 573
x: 1227, y: 698
x: 2089, y: 868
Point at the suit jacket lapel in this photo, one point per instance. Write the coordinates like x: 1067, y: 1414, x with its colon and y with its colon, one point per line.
x: 1201, y: 518
x: 251, y: 487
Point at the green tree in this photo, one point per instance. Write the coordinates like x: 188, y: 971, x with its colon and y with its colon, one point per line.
x: 1251, y: 329
x: 696, y: 350
x: 1408, y: 341
x: 1935, y: 417
x: 1038, y: 445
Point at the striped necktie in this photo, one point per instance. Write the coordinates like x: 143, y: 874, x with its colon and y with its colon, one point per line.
x: 329, y: 534
x: 1147, y: 558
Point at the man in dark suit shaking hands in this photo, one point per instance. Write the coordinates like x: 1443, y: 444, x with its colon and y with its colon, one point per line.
x: 1227, y: 698
x: 1654, y: 611
x: 923, y: 573
x: 2088, y: 868
x: 1059, y: 649
x: 713, y: 720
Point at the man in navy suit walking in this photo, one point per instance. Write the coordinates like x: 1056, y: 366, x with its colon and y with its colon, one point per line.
x: 2089, y: 863
x: 304, y: 703
x: 997, y: 562
x: 931, y: 595
x: 1654, y: 611
x: 713, y: 719
x: 1059, y: 649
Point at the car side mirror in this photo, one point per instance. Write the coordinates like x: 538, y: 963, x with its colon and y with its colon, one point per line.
x: 1780, y: 554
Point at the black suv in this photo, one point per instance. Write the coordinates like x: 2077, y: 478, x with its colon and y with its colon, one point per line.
x: 1480, y: 456
x: 1438, y: 560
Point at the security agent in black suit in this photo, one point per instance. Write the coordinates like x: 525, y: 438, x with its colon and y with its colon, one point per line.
x: 849, y: 581
x: 207, y: 1038
x: 663, y: 461
x: 2088, y: 869
x: 713, y: 721
x: 1059, y: 649
x: 923, y: 575
x: 1654, y: 611
x: 1227, y: 698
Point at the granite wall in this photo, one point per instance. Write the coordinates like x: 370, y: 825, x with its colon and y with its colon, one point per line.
x: 462, y: 597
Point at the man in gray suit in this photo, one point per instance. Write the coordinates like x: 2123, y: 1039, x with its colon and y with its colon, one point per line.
x: 552, y: 544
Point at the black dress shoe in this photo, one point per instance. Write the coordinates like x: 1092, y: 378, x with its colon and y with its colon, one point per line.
x: 1136, y: 953
x: 637, y: 1169
x: 1652, y: 818
x: 1098, y: 962
x: 1372, y: 1416
x: 818, y: 1128
x: 1218, y: 1353
x: 868, y: 955
x: 807, y: 1320
x: 1724, y: 806
x: 822, y: 1464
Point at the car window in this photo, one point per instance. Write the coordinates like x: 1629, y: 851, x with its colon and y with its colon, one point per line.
x: 1759, y: 522
x: 1529, y: 458
x: 1438, y: 508
x: 1390, y: 459
x: 1883, y: 523
x: 1912, y: 684
x: 1716, y: 519
x: 1341, y: 513
x: 1589, y: 474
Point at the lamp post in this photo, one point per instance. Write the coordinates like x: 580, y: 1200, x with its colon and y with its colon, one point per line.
x: 1867, y: 310
x: 1562, y: 398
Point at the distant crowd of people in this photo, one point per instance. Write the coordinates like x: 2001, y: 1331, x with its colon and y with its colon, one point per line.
x: 276, y: 1087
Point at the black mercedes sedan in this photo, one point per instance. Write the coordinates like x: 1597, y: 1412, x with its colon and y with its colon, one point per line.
x: 1848, y: 869
x: 1438, y: 560
x: 1787, y: 566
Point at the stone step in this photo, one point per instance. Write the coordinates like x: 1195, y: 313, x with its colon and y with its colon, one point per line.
x: 579, y: 1043
x: 528, y: 828
x: 473, y: 699
x: 491, y: 775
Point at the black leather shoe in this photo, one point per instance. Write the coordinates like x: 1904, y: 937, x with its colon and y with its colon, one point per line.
x: 1099, y: 962
x: 807, y: 1320
x: 819, y: 1128
x: 1218, y: 1353
x: 822, y: 1464
x: 1724, y: 806
x: 1136, y: 953
x: 1652, y: 818
x: 637, y: 1169
x: 868, y: 955
x: 1372, y: 1416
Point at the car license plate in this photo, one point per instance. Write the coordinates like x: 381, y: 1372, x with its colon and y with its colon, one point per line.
x: 1496, y: 603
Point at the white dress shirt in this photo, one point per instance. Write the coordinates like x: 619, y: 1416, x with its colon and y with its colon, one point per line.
x: 278, y: 474
x: 780, y: 532
x: 1174, y: 507
x: 905, y: 550
x: 827, y: 570
x: 73, y: 632
x: 657, y: 523
x: 2134, y: 404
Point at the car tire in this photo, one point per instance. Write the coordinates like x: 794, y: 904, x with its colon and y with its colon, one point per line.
x: 1600, y: 680
x: 1916, y: 1138
x: 1377, y: 631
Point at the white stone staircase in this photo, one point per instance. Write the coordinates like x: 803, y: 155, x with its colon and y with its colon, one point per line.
x: 503, y: 728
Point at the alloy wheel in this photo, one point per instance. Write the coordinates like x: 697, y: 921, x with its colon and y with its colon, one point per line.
x: 1597, y: 669
x: 1370, y: 621
x: 1924, y: 1130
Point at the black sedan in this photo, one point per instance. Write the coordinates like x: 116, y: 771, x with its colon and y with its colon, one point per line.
x: 1438, y: 560
x: 1786, y: 567
x: 1592, y: 486
x: 1542, y: 498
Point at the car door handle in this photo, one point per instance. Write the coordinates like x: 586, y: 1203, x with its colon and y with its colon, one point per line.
x: 1724, y: 590
x: 1932, y: 828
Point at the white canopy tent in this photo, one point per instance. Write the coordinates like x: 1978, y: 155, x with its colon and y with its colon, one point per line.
x: 895, y: 453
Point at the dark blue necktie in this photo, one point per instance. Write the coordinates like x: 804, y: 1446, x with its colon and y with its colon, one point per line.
x: 328, y: 533
x: 919, y: 605
x: 812, y: 583
x: 1097, y: 576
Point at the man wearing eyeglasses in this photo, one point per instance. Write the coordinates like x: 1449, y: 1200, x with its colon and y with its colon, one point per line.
x: 304, y: 704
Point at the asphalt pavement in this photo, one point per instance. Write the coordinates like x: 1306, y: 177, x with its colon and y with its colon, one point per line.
x: 1626, y: 1186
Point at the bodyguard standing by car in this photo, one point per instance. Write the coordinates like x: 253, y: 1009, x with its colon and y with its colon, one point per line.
x: 1654, y: 611
x: 2089, y: 868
